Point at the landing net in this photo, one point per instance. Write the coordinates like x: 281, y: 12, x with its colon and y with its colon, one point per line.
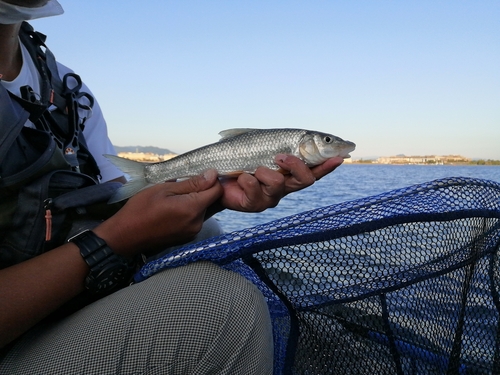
x: 405, y: 282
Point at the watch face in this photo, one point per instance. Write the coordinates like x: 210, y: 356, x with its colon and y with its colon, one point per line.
x: 111, y: 277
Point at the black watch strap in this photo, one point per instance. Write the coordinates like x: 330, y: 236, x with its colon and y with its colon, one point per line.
x: 108, y: 271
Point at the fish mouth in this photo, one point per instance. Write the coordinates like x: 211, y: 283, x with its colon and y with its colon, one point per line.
x: 349, y: 147
x: 345, y: 155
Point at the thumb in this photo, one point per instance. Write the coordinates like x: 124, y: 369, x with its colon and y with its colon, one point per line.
x: 196, y: 184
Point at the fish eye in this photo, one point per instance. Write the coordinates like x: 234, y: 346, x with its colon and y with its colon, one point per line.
x: 328, y: 139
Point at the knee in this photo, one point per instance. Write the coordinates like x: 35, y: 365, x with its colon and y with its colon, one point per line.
x: 242, y: 336
x: 227, y: 297
x: 223, y: 315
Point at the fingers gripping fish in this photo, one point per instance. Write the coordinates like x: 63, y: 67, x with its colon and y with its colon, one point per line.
x: 238, y: 151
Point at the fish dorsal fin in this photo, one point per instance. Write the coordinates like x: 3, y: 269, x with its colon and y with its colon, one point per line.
x: 228, y: 133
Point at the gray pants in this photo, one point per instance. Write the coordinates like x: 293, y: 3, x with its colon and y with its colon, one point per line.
x: 196, y: 319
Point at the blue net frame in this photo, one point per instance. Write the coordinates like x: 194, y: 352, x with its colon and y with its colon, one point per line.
x: 405, y: 282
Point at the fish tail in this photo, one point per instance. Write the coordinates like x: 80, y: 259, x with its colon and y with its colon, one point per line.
x: 136, y: 178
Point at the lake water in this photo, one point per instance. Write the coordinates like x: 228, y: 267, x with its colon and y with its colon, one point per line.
x: 353, y: 181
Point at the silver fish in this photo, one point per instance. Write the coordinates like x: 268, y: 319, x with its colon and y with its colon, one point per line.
x: 238, y: 151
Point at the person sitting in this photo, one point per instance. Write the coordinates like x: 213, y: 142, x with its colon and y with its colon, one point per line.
x: 196, y: 319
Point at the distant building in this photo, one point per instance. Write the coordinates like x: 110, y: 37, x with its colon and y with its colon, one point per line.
x: 428, y: 159
x: 147, y: 157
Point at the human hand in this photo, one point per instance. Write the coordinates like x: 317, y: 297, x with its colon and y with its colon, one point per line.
x: 266, y: 187
x: 300, y: 175
x: 163, y: 215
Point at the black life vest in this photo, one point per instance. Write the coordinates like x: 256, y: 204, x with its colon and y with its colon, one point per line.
x: 39, y: 166
x: 54, y: 112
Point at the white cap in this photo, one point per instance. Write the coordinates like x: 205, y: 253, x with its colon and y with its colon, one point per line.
x: 10, y: 13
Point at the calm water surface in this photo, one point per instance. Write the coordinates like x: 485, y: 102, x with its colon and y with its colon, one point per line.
x: 353, y: 181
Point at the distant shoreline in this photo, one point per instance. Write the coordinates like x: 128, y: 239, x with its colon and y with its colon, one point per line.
x: 156, y: 154
x: 472, y: 164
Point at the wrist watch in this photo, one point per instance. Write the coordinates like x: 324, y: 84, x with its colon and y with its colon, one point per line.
x: 108, y: 271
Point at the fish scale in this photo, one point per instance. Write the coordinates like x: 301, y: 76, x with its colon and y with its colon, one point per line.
x: 238, y: 151
x: 229, y: 156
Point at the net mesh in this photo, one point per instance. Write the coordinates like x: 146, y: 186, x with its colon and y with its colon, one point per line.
x: 405, y: 282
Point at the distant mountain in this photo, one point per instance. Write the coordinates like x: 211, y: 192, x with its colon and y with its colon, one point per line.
x: 145, y: 149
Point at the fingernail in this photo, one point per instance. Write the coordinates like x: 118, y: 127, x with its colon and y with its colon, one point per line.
x: 210, y: 174
x: 281, y: 157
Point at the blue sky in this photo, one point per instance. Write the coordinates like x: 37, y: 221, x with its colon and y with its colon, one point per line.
x: 395, y: 77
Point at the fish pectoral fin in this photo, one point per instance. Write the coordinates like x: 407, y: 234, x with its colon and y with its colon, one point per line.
x: 235, y: 174
x: 229, y: 133
x: 232, y: 174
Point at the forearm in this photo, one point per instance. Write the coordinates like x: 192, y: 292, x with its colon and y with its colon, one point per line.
x: 31, y: 290
x: 161, y: 216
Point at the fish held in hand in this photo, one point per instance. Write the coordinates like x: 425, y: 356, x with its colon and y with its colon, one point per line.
x: 238, y: 151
